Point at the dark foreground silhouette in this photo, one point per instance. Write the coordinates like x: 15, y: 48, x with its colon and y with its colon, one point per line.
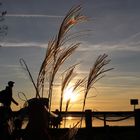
x: 43, y: 125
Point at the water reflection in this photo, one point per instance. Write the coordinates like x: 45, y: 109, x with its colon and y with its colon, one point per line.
x: 72, y: 121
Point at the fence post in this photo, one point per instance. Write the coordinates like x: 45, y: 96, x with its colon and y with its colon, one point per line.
x: 137, y: 118
x: 88, y: 118
x: 104, y: 115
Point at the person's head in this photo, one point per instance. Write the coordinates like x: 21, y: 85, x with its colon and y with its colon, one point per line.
x: 11, y: 83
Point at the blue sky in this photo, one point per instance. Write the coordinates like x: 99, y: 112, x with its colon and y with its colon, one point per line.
x: 115, y: 31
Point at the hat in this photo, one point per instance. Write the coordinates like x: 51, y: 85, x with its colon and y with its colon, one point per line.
x: 11, y: 83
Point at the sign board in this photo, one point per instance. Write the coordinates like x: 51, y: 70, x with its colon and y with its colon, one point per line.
x: 134, y: 101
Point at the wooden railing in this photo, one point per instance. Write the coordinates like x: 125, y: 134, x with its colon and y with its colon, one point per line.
x: 104, y: 115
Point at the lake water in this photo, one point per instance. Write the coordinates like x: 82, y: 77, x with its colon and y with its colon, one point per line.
x: 72, y: 121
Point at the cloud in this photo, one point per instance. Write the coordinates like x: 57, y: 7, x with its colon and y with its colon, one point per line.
x: 9, y: 66
x: 12, y: 72
x: 125, y: 45
x: 24, y: 44
x: 132, y: 43
x: 33, y: 16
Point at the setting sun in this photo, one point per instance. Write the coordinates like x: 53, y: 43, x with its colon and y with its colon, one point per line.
x: 70, y: 94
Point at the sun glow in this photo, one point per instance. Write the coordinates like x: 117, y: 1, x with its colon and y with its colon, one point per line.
x: 70, y: 94
x: 69, y: 118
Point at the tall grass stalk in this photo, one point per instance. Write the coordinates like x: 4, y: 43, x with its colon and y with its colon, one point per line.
x: 57, y: 53
x: 78, y: 84
x: 66, y: 79
x: 25, y: 67
x: 96, y: 73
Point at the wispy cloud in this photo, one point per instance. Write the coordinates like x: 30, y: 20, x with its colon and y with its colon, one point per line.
x: 9, y: 66
x: 130, y: 44
x: 22, y: 44
x: 34, y: 16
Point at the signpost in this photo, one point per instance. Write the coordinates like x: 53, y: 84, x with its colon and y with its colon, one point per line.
x: 134, y: 102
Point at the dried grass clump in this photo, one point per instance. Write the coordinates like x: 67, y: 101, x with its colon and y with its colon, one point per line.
x: 96, y: 73
x: 57, y: 53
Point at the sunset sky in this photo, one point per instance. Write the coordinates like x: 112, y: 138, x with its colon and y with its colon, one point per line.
x: 115, y: 30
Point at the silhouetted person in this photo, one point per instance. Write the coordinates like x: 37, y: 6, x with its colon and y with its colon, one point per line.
x: 56, y: 121
x: 6, y: 112
x: 7, y: 94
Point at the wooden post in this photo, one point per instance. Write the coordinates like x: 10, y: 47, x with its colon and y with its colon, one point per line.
x: 104, y: 120
x: 137, y: 118
x: 88, y: 118
x: 134, y: 102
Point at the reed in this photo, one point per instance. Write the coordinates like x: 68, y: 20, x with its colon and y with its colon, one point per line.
x: 66, y: 79
x: 77, y: 85
x: 25, y: 67
x: 57, y: 53
x: 96, y: 72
